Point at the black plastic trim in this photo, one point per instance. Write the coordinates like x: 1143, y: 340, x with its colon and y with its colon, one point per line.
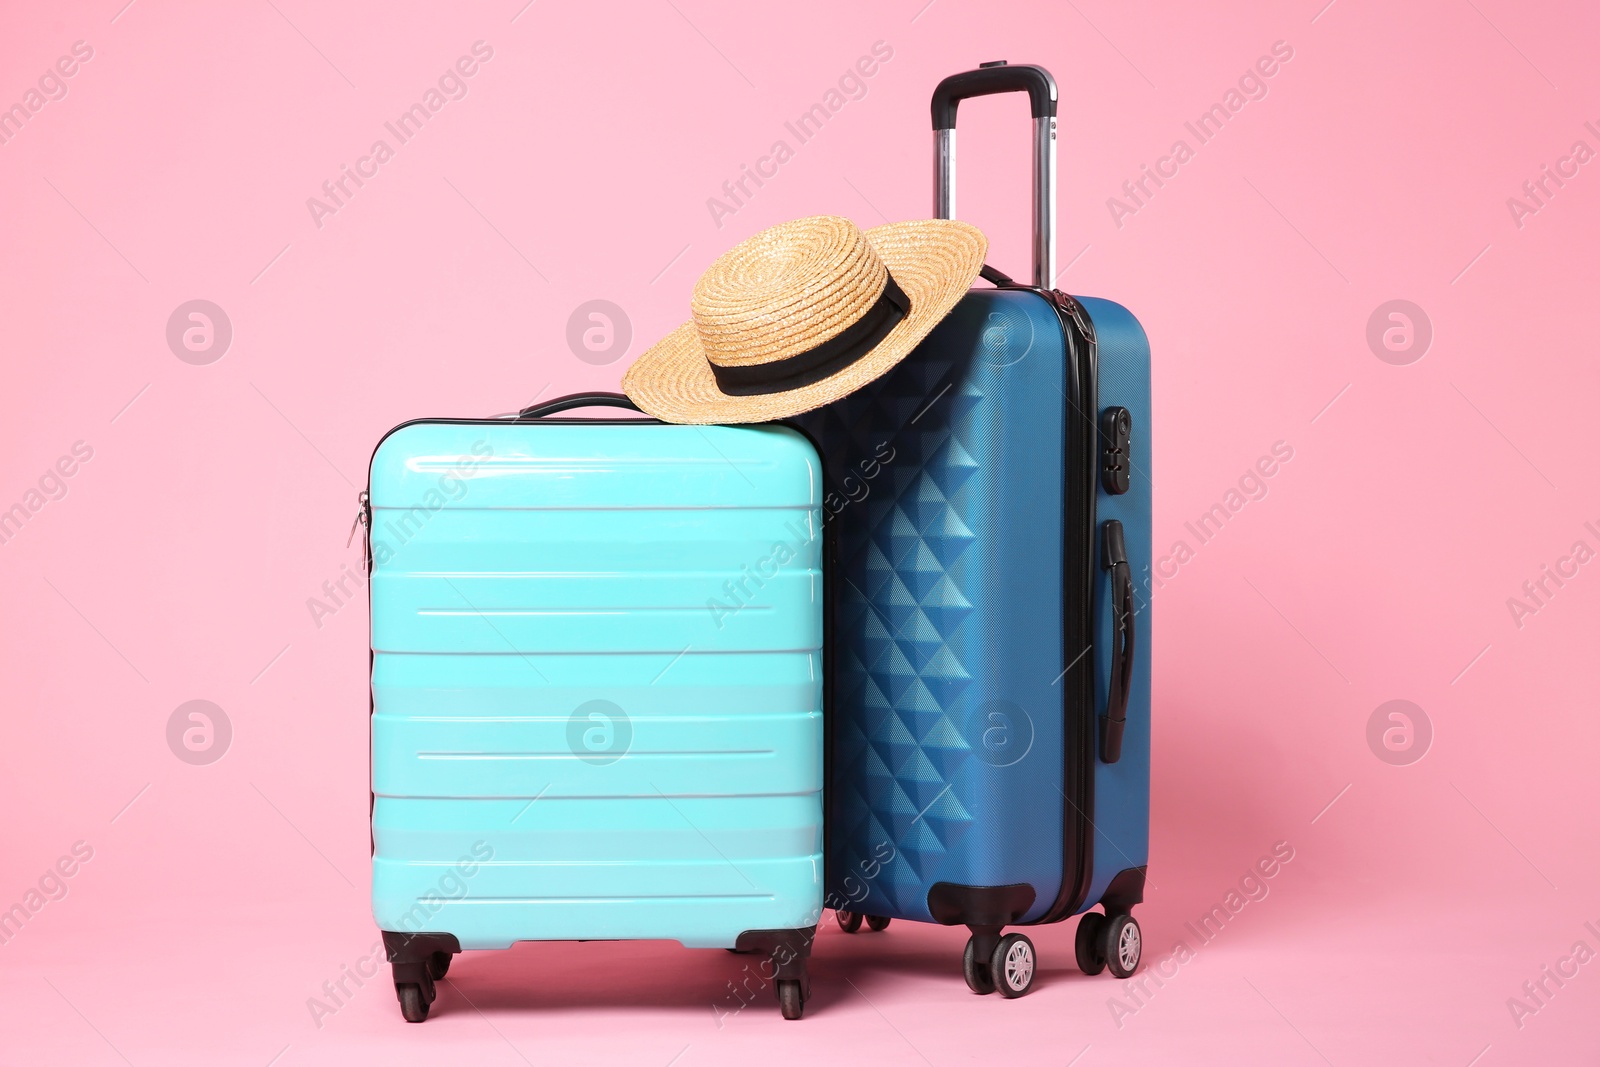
x: 979, y: 905
x: 577, y: 400
x: 1114, y: 558
x: 1125, y: 890
x: 1116, y: 429
x: 419, y: 947
x: 410, y: 956
x: 986, y: 81
x: 997, y: 278
x: 788, y: 949
x: 1080, y: 442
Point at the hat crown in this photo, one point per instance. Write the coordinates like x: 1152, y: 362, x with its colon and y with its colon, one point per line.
x: 786, y: 290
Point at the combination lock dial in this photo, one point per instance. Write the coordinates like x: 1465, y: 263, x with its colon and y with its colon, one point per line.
x: 1116, y: 426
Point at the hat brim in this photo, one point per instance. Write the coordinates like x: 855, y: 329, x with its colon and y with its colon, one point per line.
x: 934, y: 260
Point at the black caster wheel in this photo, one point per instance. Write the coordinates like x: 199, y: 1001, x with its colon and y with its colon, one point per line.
x: 1122, y: 945
x: 413, y: 1004
x: 877, y: 922
x: 1013, y: 966
x: 849, y: 921
x: 1091, y: 959
x: 438, y: 965
x: 791, y: 998
x: 976, y: 971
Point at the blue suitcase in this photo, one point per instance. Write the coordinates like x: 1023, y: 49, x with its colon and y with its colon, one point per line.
x: 989, y: 501
x: 596, y: 689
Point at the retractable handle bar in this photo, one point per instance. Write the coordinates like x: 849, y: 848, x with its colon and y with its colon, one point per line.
x: 988, y: 79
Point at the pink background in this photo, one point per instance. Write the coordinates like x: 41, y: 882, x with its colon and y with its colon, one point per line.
x: 179, y: 563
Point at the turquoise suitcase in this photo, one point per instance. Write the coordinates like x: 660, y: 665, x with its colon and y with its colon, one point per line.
x: 596, y: 688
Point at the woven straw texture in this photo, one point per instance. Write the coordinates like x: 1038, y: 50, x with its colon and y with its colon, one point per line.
x: 793, y: 287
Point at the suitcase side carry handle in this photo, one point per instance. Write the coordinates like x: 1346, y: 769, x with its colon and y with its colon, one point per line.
x: 1115, y: 559
x: 576, y: 400
x: 987, y: 80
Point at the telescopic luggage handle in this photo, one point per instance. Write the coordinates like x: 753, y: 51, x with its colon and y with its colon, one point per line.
x: 577, y: 400
x: 988, y: 79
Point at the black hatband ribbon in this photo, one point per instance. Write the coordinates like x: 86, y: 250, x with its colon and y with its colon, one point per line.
x: 823, y: 361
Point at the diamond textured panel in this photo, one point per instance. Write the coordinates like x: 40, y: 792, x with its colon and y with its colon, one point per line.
x: 899, y: 603
x: 945, y: 496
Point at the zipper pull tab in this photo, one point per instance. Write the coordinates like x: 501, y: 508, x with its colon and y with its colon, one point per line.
x: 1079, y: 317
x: 363, y: 517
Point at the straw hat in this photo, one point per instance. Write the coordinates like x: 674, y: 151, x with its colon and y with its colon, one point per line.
x: 803, y: 314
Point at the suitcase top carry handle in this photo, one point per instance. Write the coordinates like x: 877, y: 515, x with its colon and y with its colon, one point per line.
x: 988, y: 79
x: 577, y: 400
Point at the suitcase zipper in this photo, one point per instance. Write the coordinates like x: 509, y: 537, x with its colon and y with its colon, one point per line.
x: 1075, y: 311
x: 1064, y: 302
x: 364, y: 521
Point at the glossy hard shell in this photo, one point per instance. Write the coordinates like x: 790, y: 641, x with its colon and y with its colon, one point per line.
x: 596, y: 681
x: 951, y: 738
x: 1122, y: 790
